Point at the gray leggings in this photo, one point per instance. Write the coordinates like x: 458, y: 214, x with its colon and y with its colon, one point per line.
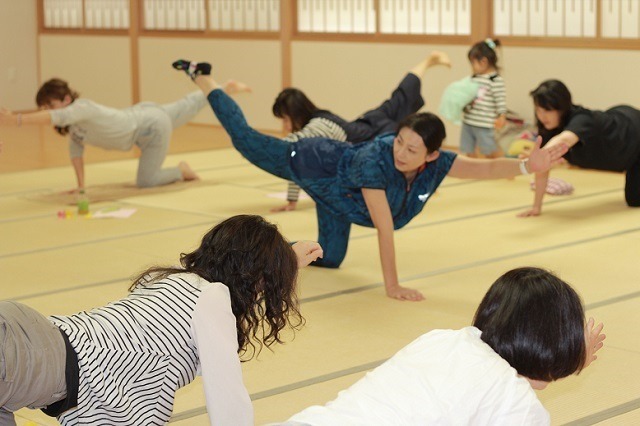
x: 154, y: 135
x: 32, y: 361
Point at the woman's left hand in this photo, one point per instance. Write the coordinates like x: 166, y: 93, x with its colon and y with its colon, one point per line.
x: 307, y: 252
x: 542, y: 159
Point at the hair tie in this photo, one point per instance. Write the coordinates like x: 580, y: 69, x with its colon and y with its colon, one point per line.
x: 490, y: 43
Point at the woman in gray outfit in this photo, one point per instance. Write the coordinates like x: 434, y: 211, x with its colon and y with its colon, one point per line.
x: 147, y: 125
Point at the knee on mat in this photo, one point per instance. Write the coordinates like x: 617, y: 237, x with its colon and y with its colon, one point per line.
x: 633, y: 203
x: 145, y: 183
x: 327, y: 263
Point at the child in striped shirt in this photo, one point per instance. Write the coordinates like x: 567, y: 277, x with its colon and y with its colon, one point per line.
x: 488, y: 110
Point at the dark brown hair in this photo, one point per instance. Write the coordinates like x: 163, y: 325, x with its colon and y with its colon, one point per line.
x: 485, y: 49
x: 552, y: 95
x: 293, y: 103
x: 249, y: 256
x: 55, y: 89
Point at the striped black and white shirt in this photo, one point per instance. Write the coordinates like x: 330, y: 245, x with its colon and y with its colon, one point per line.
x: 319, y: 127
x: 490, y: 102
x: 135, y: 353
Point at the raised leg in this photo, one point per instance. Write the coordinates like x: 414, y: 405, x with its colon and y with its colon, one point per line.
x: 184, y: 110
x: 269, y: 153
x: 406, y: 99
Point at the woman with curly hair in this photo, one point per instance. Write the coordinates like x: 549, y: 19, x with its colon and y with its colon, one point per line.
x: 122, y: 363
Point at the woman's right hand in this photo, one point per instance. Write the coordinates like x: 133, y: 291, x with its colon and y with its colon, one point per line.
x: 306, y: 252
x: 404, y: 293
x: 542, y: 159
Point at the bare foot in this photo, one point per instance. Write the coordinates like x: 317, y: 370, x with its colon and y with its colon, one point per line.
x: 438, y: 58
x: 187, y: 172
x: 233, y: 86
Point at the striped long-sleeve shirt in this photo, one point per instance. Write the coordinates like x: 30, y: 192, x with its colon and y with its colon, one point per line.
x: 319, y: 127
x: 489, y: 103
x: 135, y: 353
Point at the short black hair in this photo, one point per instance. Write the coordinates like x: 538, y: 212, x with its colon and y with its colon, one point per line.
x: 553, y: 95
x: 293, y: 103
x: 535, y: 321
x: 428, y: 126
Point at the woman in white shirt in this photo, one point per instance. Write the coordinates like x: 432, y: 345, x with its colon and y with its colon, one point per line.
x: 528, y: 331
x: 124, y: 361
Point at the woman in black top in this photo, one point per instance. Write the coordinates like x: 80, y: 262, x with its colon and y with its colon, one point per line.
x: 603, y: 140
x: 303, y: 119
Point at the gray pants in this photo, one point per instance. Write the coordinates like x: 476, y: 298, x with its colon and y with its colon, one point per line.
x: 32, y: 361
x: 158, y: 121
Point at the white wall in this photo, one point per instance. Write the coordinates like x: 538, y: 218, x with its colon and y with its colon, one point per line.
x: 18, y: 54
x: 597, y: 78
x: 349, y: 78
x: 255, y: 62
x: 345, y: 77
x: 98, y: 67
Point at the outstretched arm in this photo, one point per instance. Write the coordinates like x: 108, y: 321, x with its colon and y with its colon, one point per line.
x: 540, y: 160
x: 78, y: 166
x: 382, y: 219
x: 8, y: 118
x: 566, y: 138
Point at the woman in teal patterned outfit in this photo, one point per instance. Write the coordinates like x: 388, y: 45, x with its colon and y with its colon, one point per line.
x: 382, y: 184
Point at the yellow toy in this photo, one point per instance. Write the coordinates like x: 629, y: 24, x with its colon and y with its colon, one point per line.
x: 519, y: 147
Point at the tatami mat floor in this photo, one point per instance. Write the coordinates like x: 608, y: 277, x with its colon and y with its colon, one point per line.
x: 464, y: 239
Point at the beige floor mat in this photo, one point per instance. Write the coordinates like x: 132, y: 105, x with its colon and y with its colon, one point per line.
x: 467, y: 235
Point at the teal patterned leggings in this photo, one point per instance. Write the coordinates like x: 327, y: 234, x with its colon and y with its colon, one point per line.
x: 272, y: 155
